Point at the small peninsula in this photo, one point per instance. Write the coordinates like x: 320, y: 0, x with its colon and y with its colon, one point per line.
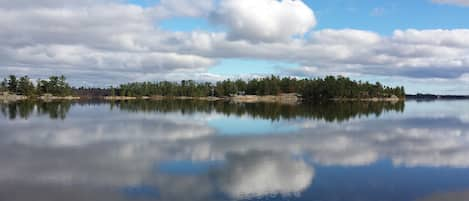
x: 22, y: 88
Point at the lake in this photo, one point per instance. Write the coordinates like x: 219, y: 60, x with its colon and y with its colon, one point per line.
x: 205, y: 151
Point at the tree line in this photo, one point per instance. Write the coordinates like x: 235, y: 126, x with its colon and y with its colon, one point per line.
x: 54, y: 85
x: 311, y: 89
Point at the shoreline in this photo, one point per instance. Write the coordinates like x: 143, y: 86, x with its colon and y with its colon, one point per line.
x: 11, y: 97
x: 6, y: 97
x: 287, y: 99
x: 52, y: 98
x: 119, y: 98
x: 368, y: 99
x: 282, y: 98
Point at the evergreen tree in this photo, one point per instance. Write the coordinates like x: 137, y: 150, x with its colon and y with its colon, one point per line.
x: 25, y: 86
x: 4, y: 85
x: 113, y: 91
x: 12, y: 84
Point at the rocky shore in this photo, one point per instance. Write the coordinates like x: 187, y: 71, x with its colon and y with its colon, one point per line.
x: 376, y: 99
x: 120, y: 98
x: 11, y: 97
x: 114, y: 98
x: 282, y: 98
x: 49, y: 97
x: 7, y: 97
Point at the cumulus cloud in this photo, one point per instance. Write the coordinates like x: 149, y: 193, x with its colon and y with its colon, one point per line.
x: 264, y: 20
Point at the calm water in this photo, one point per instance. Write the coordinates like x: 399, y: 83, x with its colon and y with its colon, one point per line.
x: 186, y: 150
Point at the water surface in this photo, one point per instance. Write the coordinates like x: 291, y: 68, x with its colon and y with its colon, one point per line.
x: 193, y: 150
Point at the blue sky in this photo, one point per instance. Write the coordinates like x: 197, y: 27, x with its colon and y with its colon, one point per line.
x: 421, y: 44
x: 386, y: 16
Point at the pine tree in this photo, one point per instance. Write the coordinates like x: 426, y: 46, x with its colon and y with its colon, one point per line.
x: 13, y: 84
x: 4, y: 85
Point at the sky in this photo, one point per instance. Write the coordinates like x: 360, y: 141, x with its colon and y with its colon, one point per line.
x: 420, y: 44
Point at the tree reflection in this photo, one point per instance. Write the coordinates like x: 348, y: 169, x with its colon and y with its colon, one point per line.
x: 329, y: 111
x: 24, y: 109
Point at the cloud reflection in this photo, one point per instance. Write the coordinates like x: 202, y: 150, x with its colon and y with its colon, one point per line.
x: 115, y: 149
x: 256, y: 174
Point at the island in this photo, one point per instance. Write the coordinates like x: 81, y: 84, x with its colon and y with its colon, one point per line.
x: 266, y: 89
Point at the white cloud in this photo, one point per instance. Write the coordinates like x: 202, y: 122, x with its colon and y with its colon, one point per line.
x: 264, y: 20
x: 457, y: 38
x: 345, y: 36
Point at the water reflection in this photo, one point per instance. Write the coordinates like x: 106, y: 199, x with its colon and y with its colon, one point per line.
x: 329, y: 111
x: 24, y: 109
x: 261, y: 173
x: 170, y: 153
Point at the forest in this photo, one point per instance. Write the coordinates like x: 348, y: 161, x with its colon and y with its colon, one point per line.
x: 310, y: 89
x: 55, y: 85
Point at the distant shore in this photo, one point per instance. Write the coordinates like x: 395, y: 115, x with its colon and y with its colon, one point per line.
x: 436, y: 97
